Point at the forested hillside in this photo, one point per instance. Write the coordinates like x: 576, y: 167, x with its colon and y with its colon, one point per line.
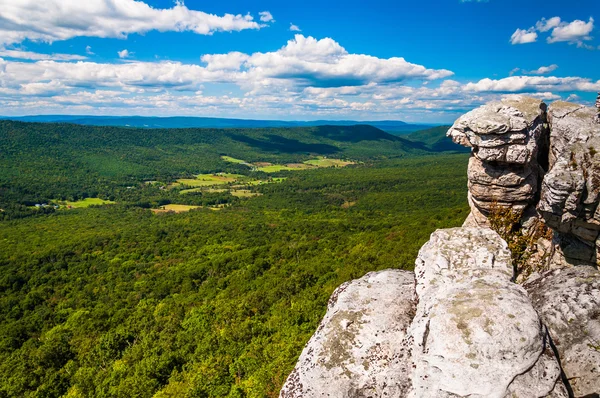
x: 434, y: 139
x: 118, y: 302
x: 133, y: 299
x: 40, y: 162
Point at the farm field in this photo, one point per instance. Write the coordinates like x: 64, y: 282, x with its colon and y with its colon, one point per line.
x: 208, y: 180
x: 87, y: 202
x: 325, y: 162
x: 175, y: 208
x: 267, y: 167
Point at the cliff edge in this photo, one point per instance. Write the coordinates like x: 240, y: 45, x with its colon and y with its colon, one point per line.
x: 459, y: 326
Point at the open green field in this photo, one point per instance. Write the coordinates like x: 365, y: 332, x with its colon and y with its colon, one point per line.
x: 233, y: 160
x: 207, y: 180
x: 325, y: 162
x: 87, y: 202
x: 274, y: 168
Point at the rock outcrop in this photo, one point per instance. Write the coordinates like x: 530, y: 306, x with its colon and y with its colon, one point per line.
x: 460, y: 326
x: 358, y: 349
x: 475, y: 333
x: 568, y: 301
x: 508, y: 140
x: 571, y: 188
x: 540, y: 161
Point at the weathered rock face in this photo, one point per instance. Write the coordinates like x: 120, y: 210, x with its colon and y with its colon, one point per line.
x: 542, y: 162
x: 475, y: 333
x: 358, y: 349
x: 568, y: 302
x: 506, y: 139
x: 570, y: 190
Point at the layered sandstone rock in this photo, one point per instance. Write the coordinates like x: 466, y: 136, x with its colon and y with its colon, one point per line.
x: 506, y: 138
x: 571, y: 188
x: 543, y: 162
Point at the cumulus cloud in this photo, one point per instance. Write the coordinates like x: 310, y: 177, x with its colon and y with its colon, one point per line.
x: 304, y: 77
x: 294, y: 28
x: 575, y: 32
x: 522, y: 36
x: 265, y: 16
x: 54, y: 20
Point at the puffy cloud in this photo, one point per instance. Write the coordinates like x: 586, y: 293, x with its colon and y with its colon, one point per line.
x: 305, y: 77
x: 265, y: 16
x: 294, y: 28
x: 574, y: 32
x: 544, y: 25
x: 33, y: 56
x: 303, y: 62
x: 522, y: 36
x: 54, y: 20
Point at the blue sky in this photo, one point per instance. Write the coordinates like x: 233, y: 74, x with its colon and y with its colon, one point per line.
x: 425, y: 61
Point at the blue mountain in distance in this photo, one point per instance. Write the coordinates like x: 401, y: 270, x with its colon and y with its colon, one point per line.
x: 390, y: 126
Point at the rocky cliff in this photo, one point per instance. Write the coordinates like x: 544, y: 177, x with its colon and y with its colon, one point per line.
x: 543, y: 162
x: 459, y: 326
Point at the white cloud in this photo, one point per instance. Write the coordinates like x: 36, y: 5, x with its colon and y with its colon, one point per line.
x: 544, y: 25
x: 543, y: 70
x: 522, y: 36
x: 33, y: 56
x: 265, y: 16
x: 526, y: 84
x: 294, y: 28
x: 54, y: 20
x: 88, y: 50
x: 124, y: 53
x: 574, y: 32
x: 304, y: 78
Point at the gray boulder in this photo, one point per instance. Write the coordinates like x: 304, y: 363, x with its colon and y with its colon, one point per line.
x: 475, y: 333
x: 359, y: 349
x: 568, y: 301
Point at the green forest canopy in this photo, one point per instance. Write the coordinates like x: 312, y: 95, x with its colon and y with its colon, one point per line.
x: 114, y: 301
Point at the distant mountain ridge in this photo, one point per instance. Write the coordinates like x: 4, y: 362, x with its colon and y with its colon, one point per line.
x: 393, y: 126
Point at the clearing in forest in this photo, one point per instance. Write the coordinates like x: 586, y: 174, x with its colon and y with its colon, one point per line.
x: 87, y: 202
x: 174, y: 209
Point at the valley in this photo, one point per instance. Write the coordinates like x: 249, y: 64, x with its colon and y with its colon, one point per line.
x: 196, y: 262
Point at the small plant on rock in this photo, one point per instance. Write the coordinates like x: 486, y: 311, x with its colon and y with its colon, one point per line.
x: 506, y: 221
